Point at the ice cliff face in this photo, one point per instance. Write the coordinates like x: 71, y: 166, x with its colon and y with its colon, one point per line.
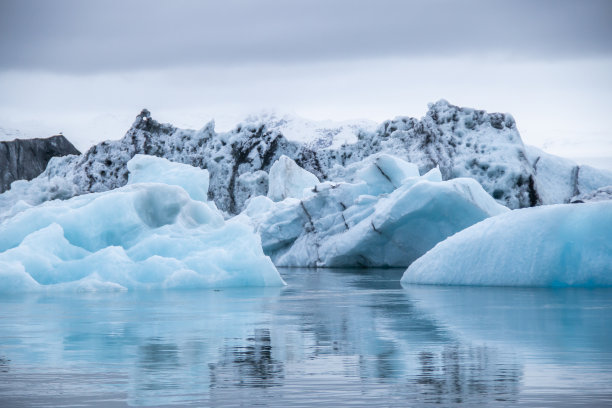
x: 462, y: 142
x: 26, y: 159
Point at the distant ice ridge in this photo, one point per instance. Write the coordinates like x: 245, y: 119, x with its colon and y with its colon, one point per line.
x: 557, y: 245
x: 461, y: 142
x: 155, y: 232
x: 384, y: 214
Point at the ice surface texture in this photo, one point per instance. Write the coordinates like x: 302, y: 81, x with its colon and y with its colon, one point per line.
x: 287, y: 179
x: 560, y: 180
x: 144, y: 235
x: 557, y: 245
x: 461, y: 142
x: 150, y: 169
x: 387, y: 215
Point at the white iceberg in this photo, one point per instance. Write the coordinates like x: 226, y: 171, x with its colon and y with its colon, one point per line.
x: 287, y: 179
x: 386, y: 215
x: 557, y: 245
x: 559, y: 180
x: 601, y: 194
x: 143, y: 235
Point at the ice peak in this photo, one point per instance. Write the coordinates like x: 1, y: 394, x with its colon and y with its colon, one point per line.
x: 209, y: 127
x: 440, y: 103
x: 142, y: 119
x: 144, y: 114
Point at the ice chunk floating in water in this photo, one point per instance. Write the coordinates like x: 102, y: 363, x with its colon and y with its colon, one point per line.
x: 383, y: 214
x: 143, y: 235
x: 557, y: 245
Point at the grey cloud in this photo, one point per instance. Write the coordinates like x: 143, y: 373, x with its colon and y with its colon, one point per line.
x: 92, y: 36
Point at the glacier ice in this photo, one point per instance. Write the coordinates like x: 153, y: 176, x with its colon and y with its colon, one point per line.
x: 462, y: 142
x: 287, y: 179
x: 382, y: 173
x: 387, y: 215
x: 601, y: 194
x: 556, y: 245
x: 560, y: 180
x: 150, y: 169
x: 321, y: 134
x: 144, y: 235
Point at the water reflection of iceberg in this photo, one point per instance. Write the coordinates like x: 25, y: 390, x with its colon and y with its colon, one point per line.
x: 562, y: 325
x: 331, y: 336
x: 156, y: 346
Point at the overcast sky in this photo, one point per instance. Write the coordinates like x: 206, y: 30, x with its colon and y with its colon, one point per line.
x: 87, y: 67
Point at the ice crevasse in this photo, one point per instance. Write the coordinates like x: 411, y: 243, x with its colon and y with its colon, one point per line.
x: 156, y: 232
x: 557, y: 245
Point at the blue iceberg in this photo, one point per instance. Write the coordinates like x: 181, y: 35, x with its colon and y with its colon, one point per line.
x: 553, y: 246
x: 145, y: 235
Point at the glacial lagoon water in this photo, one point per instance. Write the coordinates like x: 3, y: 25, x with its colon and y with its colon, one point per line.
x: 329, y: 338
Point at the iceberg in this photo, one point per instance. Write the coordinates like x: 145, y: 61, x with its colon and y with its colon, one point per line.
x: 601, y: 194
x: 559, y: 180
x: 460, y: 141
x: 145, y: 235
x: 151, y: 169
x: 554, y: 246
x: 287, y: 179
x: 385, y: 215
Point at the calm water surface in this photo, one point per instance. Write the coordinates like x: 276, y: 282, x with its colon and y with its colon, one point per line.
x: 330, y: 338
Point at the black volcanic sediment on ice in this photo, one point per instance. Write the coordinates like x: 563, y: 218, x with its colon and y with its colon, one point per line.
x: 462, y: 142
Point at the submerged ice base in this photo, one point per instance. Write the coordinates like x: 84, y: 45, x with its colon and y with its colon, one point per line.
x: 558, y: 245
x: 142, y: 236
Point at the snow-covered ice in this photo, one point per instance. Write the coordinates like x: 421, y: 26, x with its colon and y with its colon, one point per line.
x: 385, y: 215
x: 557, y: 245
x: 144, y: 235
